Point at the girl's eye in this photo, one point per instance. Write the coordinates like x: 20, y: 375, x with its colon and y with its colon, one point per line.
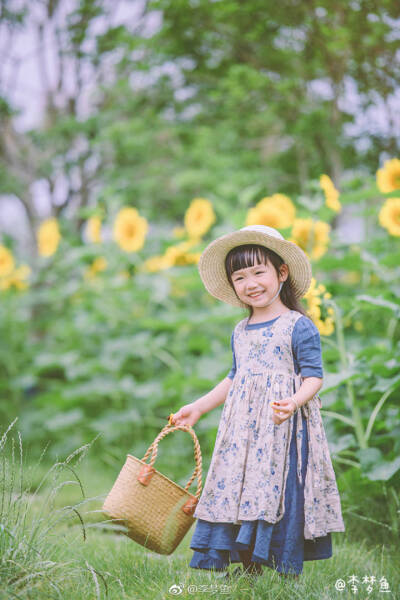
x: 238, y: 278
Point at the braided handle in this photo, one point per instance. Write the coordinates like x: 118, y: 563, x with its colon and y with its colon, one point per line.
x: 153, y: 448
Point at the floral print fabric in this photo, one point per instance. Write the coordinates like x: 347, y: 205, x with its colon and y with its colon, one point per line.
x: 280, y: 546
x: 248, y: 471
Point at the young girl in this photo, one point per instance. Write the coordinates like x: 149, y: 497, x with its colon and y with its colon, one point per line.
x: 270, y: 496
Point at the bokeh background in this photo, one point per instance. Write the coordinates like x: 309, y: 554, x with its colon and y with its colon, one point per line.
x: 134, y: 133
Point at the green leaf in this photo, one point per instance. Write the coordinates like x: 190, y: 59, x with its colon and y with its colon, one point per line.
x: 334, y: 380
x: 384, y: 383
x: 378, y: 301
x: 375, y: 467
x: 343, y: 442
x: 369, y: 457
x: 65, y: 419
x: 384, y: 470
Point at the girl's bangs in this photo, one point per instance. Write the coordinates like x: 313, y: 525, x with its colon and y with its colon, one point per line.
x: 243, y: 257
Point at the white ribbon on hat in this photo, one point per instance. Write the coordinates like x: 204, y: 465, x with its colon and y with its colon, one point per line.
x: 264, y: 229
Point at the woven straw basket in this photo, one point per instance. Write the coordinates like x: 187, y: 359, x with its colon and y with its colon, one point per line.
x: 156, y: 511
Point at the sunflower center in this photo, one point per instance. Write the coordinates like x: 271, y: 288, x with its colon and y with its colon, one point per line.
x: 130, y: 229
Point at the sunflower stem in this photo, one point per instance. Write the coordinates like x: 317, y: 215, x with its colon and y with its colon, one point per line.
x: 356, y: 416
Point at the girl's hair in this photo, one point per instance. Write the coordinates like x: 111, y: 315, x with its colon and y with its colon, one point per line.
x: 245, y: 256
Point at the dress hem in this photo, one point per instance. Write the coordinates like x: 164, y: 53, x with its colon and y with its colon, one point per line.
x: 321, y: 533
x: 319, y: 557
x: 239, y: 522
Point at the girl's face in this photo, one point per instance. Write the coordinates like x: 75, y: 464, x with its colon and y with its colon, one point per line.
x: 257, y: 285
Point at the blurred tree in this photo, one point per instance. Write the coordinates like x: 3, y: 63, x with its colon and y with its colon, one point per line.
x: 185, y: 98
x: 260, y: 67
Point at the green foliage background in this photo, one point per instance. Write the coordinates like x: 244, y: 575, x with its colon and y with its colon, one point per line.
x: 218, y: 101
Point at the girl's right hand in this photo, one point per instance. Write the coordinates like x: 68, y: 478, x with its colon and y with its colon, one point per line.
x: 187, y: 415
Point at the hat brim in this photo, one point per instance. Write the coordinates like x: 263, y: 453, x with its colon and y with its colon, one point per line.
x: 211, y: 264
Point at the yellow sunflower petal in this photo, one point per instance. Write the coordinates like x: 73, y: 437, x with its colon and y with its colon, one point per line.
x: 6, y: 261
x: 389, y: 216
x: 94, y: 229
x: 199, y: 217
x: 276, y: 211
x: 48, y: 237
x: 388, y: 177
x: 331, y: 193
x: 130, y: 229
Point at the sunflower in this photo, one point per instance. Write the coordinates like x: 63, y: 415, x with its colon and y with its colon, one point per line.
x: 274, y: 211
x: 94, y: 229
x: 388, y: 178
x: 199, y: 217
x: 179, y: 254
x: 48, y: 237
x: 311, y: 236
x: 269, y: 216
x: 156, y: 263
x: 16, y: 279
x: 321, y: 239
x: 6, y: 261
x: 314, y: 301
x: 331, y: 193
x: 325, y: 327
x: 99, y: 264
x: 130, y: 229
x: 389, y: 216
x: 313, y: 293
x: 174, y: 255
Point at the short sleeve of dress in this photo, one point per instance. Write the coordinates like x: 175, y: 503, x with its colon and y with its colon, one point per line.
x: 306, y: 348
x: 232, y: 372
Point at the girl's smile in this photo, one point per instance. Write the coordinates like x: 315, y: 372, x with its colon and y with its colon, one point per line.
x: 254, y: 296
x: 257, y: 284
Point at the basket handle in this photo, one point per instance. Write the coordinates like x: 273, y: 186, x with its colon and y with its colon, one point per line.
x: 148, y: 469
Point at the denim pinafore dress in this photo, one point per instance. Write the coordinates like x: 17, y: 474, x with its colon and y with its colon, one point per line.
x: 270, y: 492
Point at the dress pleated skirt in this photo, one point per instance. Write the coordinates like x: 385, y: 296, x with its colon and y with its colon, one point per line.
x: 280, y: 545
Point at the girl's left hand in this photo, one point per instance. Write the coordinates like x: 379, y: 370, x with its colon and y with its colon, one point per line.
x: 285, y: 406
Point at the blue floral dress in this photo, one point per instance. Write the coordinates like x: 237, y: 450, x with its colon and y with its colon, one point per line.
x: 270, y: 492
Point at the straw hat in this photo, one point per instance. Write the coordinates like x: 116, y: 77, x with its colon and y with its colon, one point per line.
x: 212, y: 261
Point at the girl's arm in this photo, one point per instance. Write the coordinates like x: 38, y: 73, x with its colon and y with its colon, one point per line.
x: 283, y: 409
x: 308, y: 389
x: 214, y: 398
x: 191, y: 413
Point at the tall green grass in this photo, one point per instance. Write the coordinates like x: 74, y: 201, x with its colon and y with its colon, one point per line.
x: 30, y: 522
x: 56, y: 543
